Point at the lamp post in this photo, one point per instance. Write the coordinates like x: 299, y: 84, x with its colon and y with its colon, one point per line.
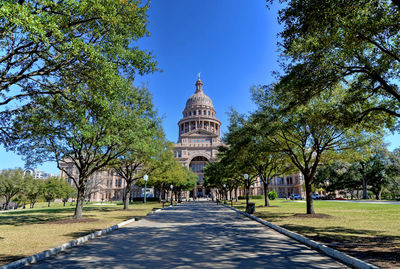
x: 224, y: 193
x: 171, y: 187
x: 145, y: 178
x: 246, y: 177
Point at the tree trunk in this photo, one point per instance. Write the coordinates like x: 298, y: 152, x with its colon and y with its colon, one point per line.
x: 236, y: 194
x: 48, y: 203
x: 309, y: 200
x: 379, y: 194
x: 80, y: 199
x: 64, y: 202
x: 365, y: 192
x: 127, y: 195
x: 5, y: 207
x: 266, y: 198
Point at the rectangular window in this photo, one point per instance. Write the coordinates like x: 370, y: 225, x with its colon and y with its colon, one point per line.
x: 208, y: 113
x: 179, y: 154
x: 194, y: 113
x: 116, y: 182
x: 199, y: 112
x: 190, y: 113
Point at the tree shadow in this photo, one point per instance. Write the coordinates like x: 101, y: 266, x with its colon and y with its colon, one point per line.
x: 28, y: 219
x: 81, y: 233
x: 271, y: 216
x: 40, y: 216
x: 9, y: 258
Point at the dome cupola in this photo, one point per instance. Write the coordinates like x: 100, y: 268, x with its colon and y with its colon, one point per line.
x: 199, y: 113
x: 199, y: 99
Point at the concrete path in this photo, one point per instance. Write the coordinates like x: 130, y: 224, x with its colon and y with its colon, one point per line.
x: 193, y: 235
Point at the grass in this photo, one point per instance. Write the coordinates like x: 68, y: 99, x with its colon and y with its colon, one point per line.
x: 26, y: 232
x: 368, y: 231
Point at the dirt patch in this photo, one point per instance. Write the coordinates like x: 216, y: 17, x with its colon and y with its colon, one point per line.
x: 313, y: 216
x: 71, y: 221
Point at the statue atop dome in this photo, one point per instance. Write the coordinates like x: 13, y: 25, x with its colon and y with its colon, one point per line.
x: 199, y: 84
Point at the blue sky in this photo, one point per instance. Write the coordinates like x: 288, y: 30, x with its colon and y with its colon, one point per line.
x: 233, y: 43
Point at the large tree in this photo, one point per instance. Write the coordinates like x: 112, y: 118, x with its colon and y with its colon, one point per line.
x: 355, y: 43
x: 86, y: 132
x: 310, y: 134
x: 47, y: 43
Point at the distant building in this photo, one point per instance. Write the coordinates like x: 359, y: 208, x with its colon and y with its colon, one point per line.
x: 36, y: 173
x: 105, y: 185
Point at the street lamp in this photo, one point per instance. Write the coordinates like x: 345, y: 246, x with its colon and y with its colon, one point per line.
x: 224, y: 193
x: 246, y: 177
x: 145, y: 178
x: 171, y: 187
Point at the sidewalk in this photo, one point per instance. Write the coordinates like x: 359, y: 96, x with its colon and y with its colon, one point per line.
x: 192, y: 235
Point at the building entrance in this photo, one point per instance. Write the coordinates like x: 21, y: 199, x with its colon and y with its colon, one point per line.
x: 196, y: 165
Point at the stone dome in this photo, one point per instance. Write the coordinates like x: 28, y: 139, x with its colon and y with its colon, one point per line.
x: 199, y: 98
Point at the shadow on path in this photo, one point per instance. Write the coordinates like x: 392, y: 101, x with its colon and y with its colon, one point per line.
x: 193, y: 235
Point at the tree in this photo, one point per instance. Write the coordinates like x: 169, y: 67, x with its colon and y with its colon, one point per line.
x: 46, y: 43
x: 51, y: 189
x: 380, y: 171
x: 11, y: 183
x: 32, y: 190
x: 309, y: 134
x: 356, y: 44
x: 66, y: 191
x: 87, y: 130
x: 339, y: 176
x: 142, y: 155
x: 164, y: 167
x: 265, y: 158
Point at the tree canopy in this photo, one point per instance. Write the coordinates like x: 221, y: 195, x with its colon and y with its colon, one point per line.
x: 356, y: 44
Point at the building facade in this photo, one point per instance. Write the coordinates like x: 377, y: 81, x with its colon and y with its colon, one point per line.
x: 199, y: 136
x: 284, y: 185
x: 105, y: 185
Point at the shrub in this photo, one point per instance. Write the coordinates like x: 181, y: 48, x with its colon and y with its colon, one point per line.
x: 272, y: 195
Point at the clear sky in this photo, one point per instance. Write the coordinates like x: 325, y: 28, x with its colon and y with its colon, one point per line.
x: 233, y: 43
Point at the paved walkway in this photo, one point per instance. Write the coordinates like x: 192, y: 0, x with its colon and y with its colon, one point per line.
x: 192, y: 235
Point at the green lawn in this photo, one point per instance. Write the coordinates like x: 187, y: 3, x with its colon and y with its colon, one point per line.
x: 26, y: 232
x: 368, y: 231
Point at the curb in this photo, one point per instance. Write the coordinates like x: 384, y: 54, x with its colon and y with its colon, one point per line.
x: 346, y: 259
x: 76, y: 242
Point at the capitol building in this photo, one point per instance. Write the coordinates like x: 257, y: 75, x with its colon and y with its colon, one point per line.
x: 199, y: 135
x: 197, y: 145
